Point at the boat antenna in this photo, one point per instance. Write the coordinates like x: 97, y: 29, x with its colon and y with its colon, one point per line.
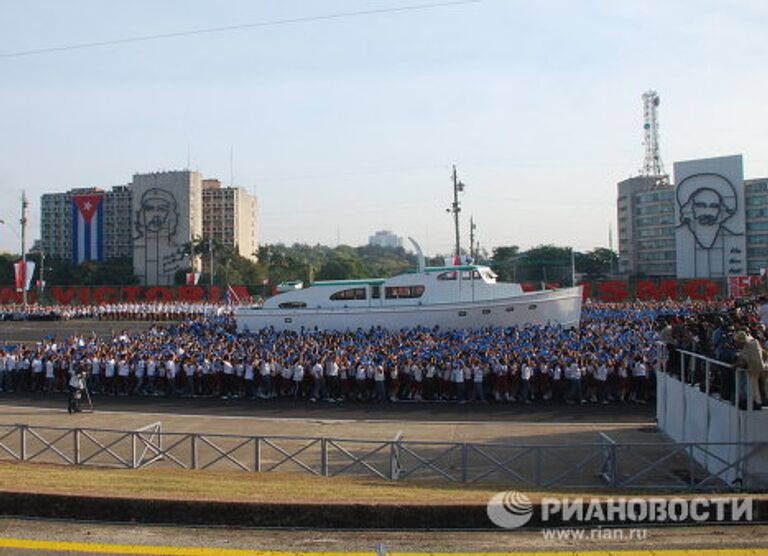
x: 455, y: 208
x: 419, y: 254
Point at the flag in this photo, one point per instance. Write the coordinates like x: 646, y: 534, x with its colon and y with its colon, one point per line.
x: 87, y: 228
x: 231, y: 296
x: 193, y: 278
x: 22, y: 275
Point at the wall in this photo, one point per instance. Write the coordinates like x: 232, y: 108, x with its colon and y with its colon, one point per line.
x: 710, y: 218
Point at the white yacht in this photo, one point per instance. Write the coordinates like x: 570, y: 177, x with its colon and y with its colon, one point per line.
x: 450, y: 297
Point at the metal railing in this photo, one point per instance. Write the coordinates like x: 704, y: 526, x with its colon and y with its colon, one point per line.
x: 715, y: 378
x: 600, y: 465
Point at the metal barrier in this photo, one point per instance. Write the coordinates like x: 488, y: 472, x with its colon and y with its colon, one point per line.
x: 601, y: 465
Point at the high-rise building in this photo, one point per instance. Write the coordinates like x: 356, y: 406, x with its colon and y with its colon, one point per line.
x: 152, y: 220
x: 756, y: 201
x: 646, y: 226
x: 167, y: 216
x: 230, y: 217
x: 385, y: 238
x: 711, y: 223
x: 59, y: 224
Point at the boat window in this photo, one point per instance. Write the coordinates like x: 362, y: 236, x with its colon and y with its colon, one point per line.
x: 462, y: 313
x: 531, y: 307
x: 450, y: 275
x: 293, y: 305
x: 375, y: 292
x: 486, y: 311
x: 404, y: 292
x: 349, y: 293
x: 509, y: 309
x: 474, y: 275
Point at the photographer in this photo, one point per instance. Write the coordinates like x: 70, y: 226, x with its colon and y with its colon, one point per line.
x: 76, y: 388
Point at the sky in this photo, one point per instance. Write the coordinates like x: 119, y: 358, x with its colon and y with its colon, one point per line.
x: 348, y: 124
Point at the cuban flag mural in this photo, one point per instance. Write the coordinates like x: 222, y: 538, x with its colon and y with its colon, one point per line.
x: 87, y: 228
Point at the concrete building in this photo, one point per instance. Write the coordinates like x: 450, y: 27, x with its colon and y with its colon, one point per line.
x: 118, y: 240
x: 56, y: 225
x: 230, y: 217
x: 756, y: 202
x: 666, y: 231
x: 385, y: 238
x: 56, y: 222
x: 646, y: 227
x: 167, y: 210
x: 151, y: 220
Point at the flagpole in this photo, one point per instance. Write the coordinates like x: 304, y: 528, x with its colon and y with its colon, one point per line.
x: 23, y: 222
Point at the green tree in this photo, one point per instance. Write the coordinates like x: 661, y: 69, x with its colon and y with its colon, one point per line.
x: 341, y: 267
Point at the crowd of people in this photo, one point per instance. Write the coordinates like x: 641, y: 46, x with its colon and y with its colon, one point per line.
x: 734, y: 334
x: 610, y: 358
x: 147, y: 311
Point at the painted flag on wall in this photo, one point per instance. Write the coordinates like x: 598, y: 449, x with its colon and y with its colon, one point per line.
x: 23, y: 274
x: 87, y: 228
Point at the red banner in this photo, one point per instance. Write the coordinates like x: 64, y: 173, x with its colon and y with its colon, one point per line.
x: 608, y: 291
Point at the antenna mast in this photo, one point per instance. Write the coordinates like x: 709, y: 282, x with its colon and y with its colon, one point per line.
x: 652, y: 165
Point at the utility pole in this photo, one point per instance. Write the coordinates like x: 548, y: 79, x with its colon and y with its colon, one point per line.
x: 23, y: 223
x: 42, y: 274
x: 210, y: 253
x: 455, y: 209
x: 472, y: 227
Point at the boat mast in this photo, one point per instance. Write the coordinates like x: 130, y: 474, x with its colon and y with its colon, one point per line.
x: 456, y: 209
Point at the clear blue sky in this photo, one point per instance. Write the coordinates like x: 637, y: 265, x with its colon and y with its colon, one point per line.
x: 346, y: 126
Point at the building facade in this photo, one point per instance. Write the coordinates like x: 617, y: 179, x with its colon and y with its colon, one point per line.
x: 57, y: 225
x: 756, y: 209
x: 167, y: 210
x: 151, y: 221
x: 646, y: 227
x: 711, y: 223
x: 385, y: 238
x: 230, y: 217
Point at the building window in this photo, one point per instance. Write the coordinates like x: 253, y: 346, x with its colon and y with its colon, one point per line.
x: 349, y: 294
x: 403, y: 292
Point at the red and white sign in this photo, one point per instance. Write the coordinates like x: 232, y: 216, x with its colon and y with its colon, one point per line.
x: 23, y: 275
x: 193, y: 278
x: 739, y: 286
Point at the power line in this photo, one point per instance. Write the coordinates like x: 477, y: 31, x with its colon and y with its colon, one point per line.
x: 269, y: 23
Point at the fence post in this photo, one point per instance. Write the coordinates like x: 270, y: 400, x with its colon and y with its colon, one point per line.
x: 682, y: 367
x: 193, y: 451
x: 614, y: 465
x: 23, y: 442
x: 537, y: 472
x: 392, y: 461
x: 76, y: 442
x: 133, y: 450
x: 257, y: 454
x: 464, y: 462
x: 324, y: 457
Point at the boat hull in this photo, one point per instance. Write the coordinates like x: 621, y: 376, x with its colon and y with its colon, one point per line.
x: 546, y: 307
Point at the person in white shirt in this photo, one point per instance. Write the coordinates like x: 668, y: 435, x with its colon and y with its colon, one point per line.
x: 478, y: 376
x: 332, y: 385
x: 297, y: 378
x: 317, y: 381
x: 380, y: 387
x: 639, y: 380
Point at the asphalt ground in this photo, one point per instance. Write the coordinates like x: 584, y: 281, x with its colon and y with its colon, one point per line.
x: 29, y: 332
x: 213, y: 541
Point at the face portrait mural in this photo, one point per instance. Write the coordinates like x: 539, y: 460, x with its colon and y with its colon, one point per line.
x: 157, y: 214
x: 706, y: 203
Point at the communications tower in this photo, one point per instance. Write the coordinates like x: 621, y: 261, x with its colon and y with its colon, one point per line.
x: 652, y: 165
